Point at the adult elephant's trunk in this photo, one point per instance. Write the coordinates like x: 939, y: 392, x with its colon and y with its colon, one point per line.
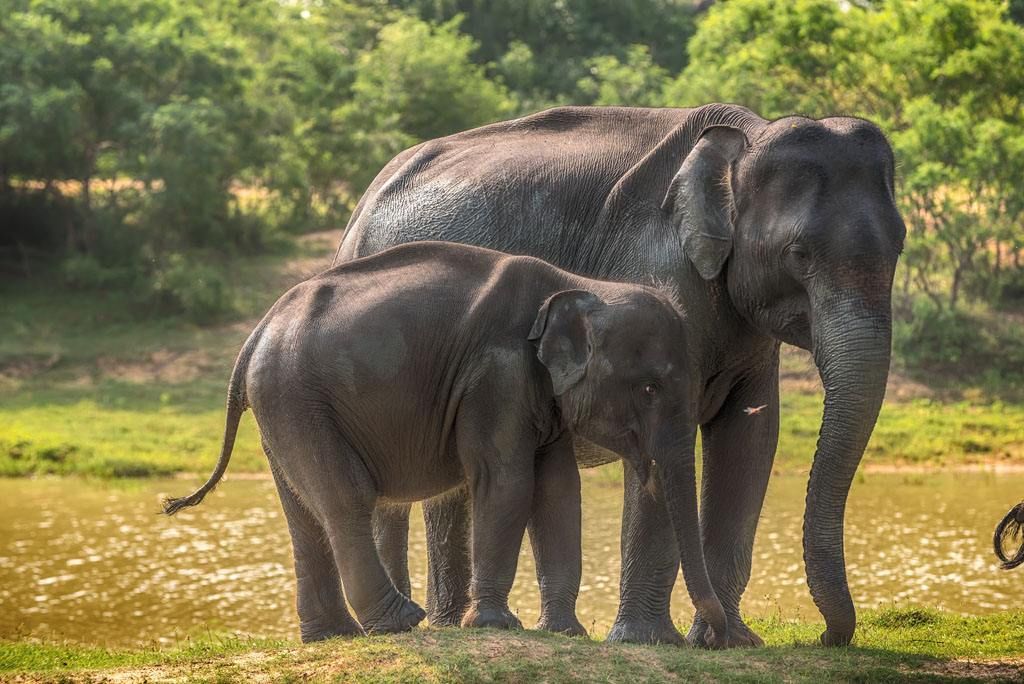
x: 852, y: 350
x: 675, y: 465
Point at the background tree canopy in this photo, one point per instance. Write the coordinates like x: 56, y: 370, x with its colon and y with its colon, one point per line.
x: 142, y: 141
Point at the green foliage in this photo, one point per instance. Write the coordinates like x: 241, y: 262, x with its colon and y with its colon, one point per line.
x: 136, y: 136
x: 944, y: 79
x: 422, y: 75
x: 936, y: 336
x: 777, y: 58
x: 193, y: 288
x: 966, y: 344
x: 637, y: 81
x: 416, y: 83
x: 543, y: 48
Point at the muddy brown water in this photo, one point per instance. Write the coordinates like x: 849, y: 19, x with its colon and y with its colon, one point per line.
x: 94, y: 563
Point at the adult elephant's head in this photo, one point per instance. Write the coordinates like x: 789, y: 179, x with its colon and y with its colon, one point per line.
x: 797, y: 219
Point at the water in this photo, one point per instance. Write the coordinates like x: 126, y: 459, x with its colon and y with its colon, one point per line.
x: 94, y: 563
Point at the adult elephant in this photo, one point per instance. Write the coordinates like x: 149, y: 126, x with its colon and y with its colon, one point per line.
x: 768, y: 231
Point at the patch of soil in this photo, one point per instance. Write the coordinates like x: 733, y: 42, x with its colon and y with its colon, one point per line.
x: 161, y: 365
x: 24, y: 367
x: 319, y: 249
x: 1006, y: 670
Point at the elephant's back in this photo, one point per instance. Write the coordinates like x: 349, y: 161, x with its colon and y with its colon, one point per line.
x: 526, y: 186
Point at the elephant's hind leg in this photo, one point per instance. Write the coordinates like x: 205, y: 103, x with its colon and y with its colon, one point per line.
x: 319, y: 598
x: 345, y: 499
x: 337, y: 490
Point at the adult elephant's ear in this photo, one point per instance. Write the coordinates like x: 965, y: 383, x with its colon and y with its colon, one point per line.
x: 564, y: 336
x: 700, y: 199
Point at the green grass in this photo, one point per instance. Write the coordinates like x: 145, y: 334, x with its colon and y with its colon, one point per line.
x: 904, y: 644
x: 92, y: 385
x: 116, y: 429
x: 925, y: 432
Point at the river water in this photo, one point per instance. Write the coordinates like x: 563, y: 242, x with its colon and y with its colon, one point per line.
x: 94, y: 563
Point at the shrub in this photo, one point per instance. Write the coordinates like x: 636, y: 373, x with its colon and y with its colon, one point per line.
x: 936, y: 335
x: 1011, y: 288
x: 192, y: 288
x: 86, y: 272
x: 978, y: 346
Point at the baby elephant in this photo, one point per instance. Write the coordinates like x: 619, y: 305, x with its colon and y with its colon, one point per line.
x: 406, y: 374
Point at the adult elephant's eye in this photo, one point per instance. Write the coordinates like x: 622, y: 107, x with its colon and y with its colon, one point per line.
x: 797, y: 259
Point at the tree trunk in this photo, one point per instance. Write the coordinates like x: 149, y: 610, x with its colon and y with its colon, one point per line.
x: 954, y: 290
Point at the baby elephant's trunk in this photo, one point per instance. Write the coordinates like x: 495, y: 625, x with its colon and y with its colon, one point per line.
x: 236, y: 406
x: 675, y: 466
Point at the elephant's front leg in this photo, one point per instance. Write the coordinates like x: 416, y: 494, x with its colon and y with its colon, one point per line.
x: 739, y: 450
x: 555, y: 536
x: 650, y: 564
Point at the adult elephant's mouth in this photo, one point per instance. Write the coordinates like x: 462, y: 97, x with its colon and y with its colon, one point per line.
x: 796, y: 331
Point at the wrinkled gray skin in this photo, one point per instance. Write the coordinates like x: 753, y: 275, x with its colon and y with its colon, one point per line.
x: 431, y: 366
x: 769, y: 231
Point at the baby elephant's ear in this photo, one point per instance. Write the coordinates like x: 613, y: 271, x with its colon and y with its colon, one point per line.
x: 563, y: 335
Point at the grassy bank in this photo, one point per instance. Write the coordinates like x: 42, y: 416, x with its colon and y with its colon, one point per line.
x: 117, y: 429
x: 91, y: 385
x: 908, y: 644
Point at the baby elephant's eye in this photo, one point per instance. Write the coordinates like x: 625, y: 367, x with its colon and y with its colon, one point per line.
x: 650, y: 391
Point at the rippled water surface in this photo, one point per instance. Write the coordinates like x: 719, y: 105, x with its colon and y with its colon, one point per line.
x: 94, y: 563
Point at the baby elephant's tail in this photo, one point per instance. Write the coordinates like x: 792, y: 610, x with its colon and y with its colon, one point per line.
x: 236, y: 405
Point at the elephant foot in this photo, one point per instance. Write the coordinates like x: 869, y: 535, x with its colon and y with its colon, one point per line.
x: 740, y: 636
x: 566, y: 624
x: 405, y: 615
x: 836, y: 638
x: 450, y: 616
x: 320, y: 632
x: 498, y: 618
x: 645, y: 632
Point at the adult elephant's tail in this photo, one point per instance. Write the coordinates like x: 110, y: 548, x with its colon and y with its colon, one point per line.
x: 1010, y: 531
x: 236, y: 404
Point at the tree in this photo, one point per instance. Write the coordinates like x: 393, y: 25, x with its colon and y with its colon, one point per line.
x: 638, y: 81
x: 417, y: 82
x: 775, y: 57
x: 945, y: 80
x: 560, y: 36
x: 956, y: 92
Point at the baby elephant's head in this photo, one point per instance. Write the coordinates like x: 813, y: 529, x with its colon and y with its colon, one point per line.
x: 621, y: 372
x: 619, y: 369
